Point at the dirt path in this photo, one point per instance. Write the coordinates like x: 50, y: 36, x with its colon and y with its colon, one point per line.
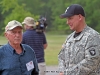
x: 52, y: 70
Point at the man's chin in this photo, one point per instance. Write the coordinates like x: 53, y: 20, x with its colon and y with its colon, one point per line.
x: 72, y: 29
x: 17, y: 43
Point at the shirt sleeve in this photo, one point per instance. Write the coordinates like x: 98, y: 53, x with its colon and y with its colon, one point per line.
x: 36, y: 70
x: 1, y: 57
x: 91, y: 61
x: 61, y: 59
x: 44, y: 39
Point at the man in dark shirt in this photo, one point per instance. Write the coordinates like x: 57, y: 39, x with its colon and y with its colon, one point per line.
x: 37, y: 41
x: 17, y: 58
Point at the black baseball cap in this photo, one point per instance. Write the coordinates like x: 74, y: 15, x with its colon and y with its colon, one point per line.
x: 74, y: 9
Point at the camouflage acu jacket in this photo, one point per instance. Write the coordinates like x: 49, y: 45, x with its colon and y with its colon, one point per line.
x: 81, y: 55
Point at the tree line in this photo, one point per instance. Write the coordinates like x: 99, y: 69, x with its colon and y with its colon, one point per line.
x: 51, y: 9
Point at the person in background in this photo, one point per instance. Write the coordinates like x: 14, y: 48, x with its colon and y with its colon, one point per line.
x: 36, y: 40
x: 80, y: 54
x: 17, y: 58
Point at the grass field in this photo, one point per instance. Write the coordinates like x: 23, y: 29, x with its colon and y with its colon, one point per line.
x: 3, y: 40
x: 54, y: 45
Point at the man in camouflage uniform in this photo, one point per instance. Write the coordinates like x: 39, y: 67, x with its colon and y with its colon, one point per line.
x: 80, y: 54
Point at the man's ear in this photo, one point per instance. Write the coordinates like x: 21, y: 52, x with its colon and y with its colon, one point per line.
x: 5, y: 34
x: 80, y: 17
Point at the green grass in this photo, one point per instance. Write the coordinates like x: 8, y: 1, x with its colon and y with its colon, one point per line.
x: 3, y: 40
x: 51, y: 52
x: 54, y: 46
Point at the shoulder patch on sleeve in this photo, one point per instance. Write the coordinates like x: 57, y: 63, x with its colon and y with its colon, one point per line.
x: 92, y: 51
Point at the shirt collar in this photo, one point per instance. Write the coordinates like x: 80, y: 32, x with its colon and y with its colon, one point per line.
x: 81, y: 34
x: 13, y: 50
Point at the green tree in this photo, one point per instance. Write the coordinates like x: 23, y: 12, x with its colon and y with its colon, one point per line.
x: 12, y: 10
x: 92, y: 14
x: 19, y: 9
